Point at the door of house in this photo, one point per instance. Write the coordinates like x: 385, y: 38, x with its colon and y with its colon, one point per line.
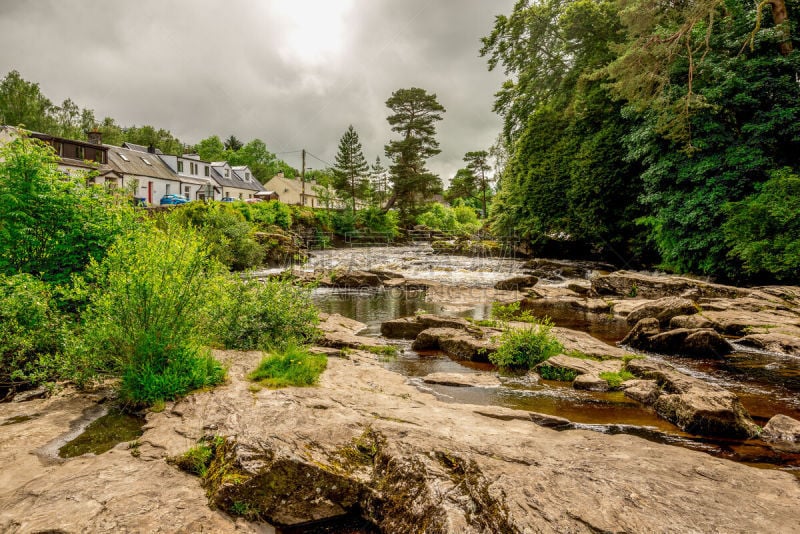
x: 149, y: 192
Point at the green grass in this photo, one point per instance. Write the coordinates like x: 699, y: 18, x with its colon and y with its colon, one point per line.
x: 292, y: 366
x: 383, y: 350
x: 526, y: 348
x: 197, y: 459
x: 552, y: 372
x: 629, y: 357
x: 511, y: 312
x: 615, y: 380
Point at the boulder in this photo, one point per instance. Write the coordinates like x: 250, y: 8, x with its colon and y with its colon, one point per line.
x: 630, y: 284
x: 690, y: 403
x: 663, y: 310
x: 339, y: 332
x: 481, y: 380
x: 691, y: 321
x: 356, y: 280
x: 772, y: 342
x: 783, y: 431
x: 516, y: 283
x: 403, y: 328
x: 566, y: 304
x: 590, y: 383
x: 560, y: 269
x: 583, y: 342
x: 700, y: 342
x: 455, y: 343
x: 583, y: 366
x: 644, y: 391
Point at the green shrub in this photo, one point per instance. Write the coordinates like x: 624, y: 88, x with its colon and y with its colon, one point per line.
x: 270, y: 213
x: 511, y: 312
x: 52, y: 224
x: 292, y: 366
x: 198, y: 459
x: 156, y: 297
x: 377, y: 221
x: 225, y: 229
x: 461, y: 220
x: 615, y: 380
x: 266, y: 314
x: 31, y: 332
x: 525, y: 348
x: 552, y: 372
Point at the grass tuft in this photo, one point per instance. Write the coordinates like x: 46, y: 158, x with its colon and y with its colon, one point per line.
x: 526, y: 348
x: 292, y: 366
x: 615, y: 380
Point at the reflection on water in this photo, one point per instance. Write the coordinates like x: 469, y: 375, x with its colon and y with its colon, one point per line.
x: 767, y: 384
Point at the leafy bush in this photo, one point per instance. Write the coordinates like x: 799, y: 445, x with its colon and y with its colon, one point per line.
x: 156, y: 296
x: 460, y: 220
x: 615, y: 380
x: 552, y: 372
x: 270, y: 213
x: 273, y: 313
x: 52, y: 224
x: 763, y: 230
x: 226, y: 230
x: 525, y: 348
x: 31, y: 332
x: 292, y: 366
x: 511, y: 312
x: 377, y: 221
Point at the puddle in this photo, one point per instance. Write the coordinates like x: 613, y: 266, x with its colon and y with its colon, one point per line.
x: 103, y: 434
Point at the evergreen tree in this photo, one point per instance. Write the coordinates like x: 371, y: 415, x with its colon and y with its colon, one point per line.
x: 233, y: 144
x: 351, y: 169
x: 415, y: 113
x: 478, y: 163
x: 464, y: 186
x: 379, y: 186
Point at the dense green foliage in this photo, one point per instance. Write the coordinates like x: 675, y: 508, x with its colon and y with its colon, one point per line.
x: 350, y: 174
x: 267, y: 314
x: 461, y: 220
x: 526, y: 347
x: 254, y: 154
x: 152, y: 305
x: 292, y: 366
x: 52, y: 224
x: 633, y: 124
x: 31, y: 332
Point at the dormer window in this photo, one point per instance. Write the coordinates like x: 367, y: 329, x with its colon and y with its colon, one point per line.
x: 227, y: 173
x: 206, y: 169
x: 180, y: 166
x: 193, y: 167
x: 247, y: 176
x: 120, y: 154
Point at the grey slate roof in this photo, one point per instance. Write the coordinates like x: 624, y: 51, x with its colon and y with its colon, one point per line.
x: 234, y: 180
x: 136, y: 163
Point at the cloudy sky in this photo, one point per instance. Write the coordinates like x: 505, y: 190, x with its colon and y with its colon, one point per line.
x: 294, y: 73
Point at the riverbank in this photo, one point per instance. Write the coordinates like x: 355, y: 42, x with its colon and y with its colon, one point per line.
x: 365, y: 439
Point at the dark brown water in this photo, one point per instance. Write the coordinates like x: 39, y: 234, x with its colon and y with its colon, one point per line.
x: 767, y: 384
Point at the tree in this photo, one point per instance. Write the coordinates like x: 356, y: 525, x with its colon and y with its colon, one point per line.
x: 378, y: 185
x: 51, y: 224
x: 464, y: 186
x: 211, y: 149
x: 350, y: 170
x: 22, y: 103
x: 415, y: 113
x: 233, y: 144
x: 478, y: 163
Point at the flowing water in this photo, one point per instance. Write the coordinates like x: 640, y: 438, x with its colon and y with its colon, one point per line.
x: 766, y: 383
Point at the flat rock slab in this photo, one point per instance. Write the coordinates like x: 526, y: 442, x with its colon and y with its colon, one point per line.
x: 781, y: 343
x: 483, y: 380
x: 585, y: 343
x: 584, y: 366
x: 366, y: 438
x: 631, y: 284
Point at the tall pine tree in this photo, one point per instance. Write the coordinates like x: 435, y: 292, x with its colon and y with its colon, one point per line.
x: 351, y: 168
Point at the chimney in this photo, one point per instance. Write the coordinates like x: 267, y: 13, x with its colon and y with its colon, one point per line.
x: 95, y: 137
x: 151, y: 149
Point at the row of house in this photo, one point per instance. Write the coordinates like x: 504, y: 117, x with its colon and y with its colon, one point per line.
x: 149, y: 173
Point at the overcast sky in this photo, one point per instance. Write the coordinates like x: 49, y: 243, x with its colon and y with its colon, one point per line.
x: 294, y: 73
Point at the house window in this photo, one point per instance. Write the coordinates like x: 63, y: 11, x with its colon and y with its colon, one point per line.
x: 180, y: 166
x: 206, y: 169
x: 186, y: 191
x: 240, y: 196
x: 166, y: 190
x: 227, y: 173
x: 146, y: 160
x: 247, y: 175
x: 78, y: 152
x: 120, y: 154
x: 193, y: 168
x: 59, y: 148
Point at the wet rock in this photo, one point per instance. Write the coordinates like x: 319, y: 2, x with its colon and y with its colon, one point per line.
x: 560, y: 305
x: 691, y: 321
x: 356, y: 280
x: 644, y: 391
x: 782, y: 343
x: 581, y: 289
x: 663, y: 310
x: 408, y: 285
x: 550, y: 421
x: 590, y: 383
x: 440, y: 321
x: 585, y: 343
x: 630, y: 284
x: 560, y: 269
x: 516, y: 283
x: 339, y: 332
x: 692, y: 404
x: 783, y: 431
x: 701, y: 342
x: 385, y: 275
x: 455, y: 343
x: 583, y: 366
x: 483, y: 380
x: 403, y: 328
x: 31, y: 394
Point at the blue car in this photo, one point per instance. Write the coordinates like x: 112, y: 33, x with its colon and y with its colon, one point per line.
x: 173, y: 199
x: 229, y: 199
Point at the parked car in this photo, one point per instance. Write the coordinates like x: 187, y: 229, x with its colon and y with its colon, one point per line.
x: 173, y: 199
x: 229, y: 199
x: 253, y: 200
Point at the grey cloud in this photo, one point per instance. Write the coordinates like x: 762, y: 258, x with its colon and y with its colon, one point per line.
x: 200, y: 68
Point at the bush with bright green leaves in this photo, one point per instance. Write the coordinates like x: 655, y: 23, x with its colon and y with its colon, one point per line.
x: 260, y: 315
x: 525, y: 348
x: 271, y: 213
x: 226, y: 230
x: 153, y: 302
x: 461, y: 220
x: 53, y: 224
x: 31, y: 333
